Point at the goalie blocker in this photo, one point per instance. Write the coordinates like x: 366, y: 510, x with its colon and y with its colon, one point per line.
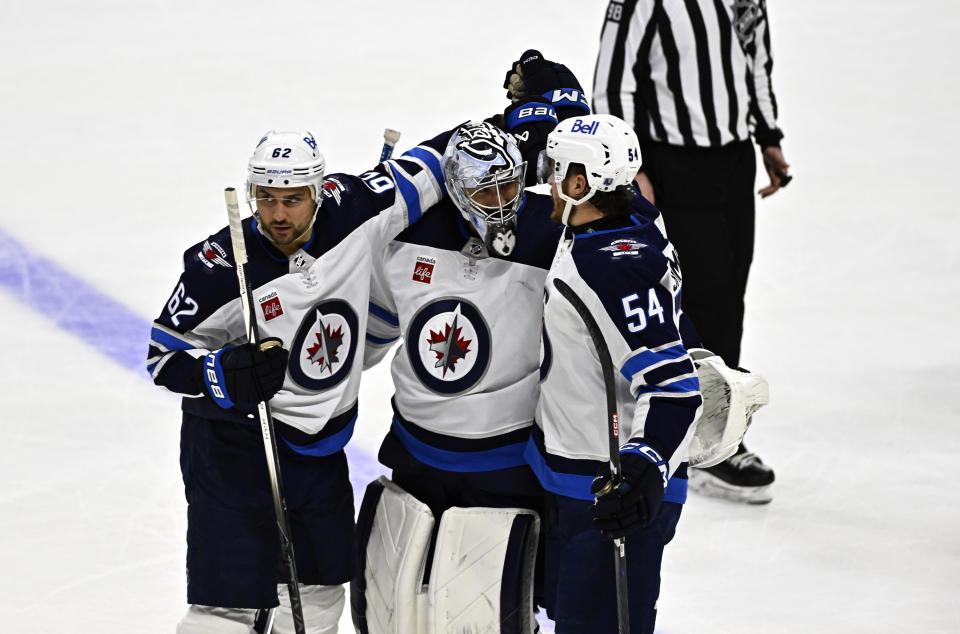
x: 481, y: 579
x: 730, y: 398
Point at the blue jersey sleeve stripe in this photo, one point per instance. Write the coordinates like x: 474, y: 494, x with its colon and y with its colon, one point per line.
x: 684, y: 386
x: 168, y: 341
x: 429, y: 159
x: 676, y: 491
x: 384, y: 314
x: 640, y: 362
x: 409, y: 192
x: 380, y: 341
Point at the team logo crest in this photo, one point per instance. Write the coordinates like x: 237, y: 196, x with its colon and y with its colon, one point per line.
x: 624, y: 247
x: 212, y: 254
x: 324, y: 347
x: 332, y: 188
x: 449, y: 345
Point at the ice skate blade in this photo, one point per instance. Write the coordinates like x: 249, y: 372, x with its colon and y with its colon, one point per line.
x: 704, y: 483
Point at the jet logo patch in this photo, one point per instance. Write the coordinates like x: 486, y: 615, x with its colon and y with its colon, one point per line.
x: 324, y: 347
x: 624, y: 246
x: 449, y: 345
x: 212, y: 254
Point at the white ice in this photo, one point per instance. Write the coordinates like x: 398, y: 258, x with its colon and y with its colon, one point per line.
x: 121, y: 123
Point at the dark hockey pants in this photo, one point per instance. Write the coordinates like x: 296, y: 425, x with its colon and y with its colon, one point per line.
x: 580, y: 580
x: 233, y: 547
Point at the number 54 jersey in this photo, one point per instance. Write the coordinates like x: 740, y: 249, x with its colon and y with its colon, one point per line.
x: 315, y: 301
x: 466, y: 375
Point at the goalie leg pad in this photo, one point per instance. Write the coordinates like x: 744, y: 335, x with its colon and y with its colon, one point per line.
x: 394, y: 532
x: 482, y: 575
x: 730, y: 398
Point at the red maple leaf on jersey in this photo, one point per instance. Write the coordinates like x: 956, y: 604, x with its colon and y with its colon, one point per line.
x: 327, y: 343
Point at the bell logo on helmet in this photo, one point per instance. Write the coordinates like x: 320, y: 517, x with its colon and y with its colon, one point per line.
x: 590, y: 128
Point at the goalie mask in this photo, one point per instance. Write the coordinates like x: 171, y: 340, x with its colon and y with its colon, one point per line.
x: 286, y: 160
x: 484, y: 175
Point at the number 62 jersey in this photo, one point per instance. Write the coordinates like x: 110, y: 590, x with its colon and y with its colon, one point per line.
x: 315, y: 301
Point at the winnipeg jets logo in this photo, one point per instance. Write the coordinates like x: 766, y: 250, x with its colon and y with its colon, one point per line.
x: 213, y: 254
x: 332, y: 188
x: 622, y: 247
x: 328, y: 342
x: 324, y: 347
x: 448, y: 343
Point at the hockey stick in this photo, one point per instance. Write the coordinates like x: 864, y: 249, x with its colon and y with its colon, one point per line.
x: 263, y: 408
x: 613, y: 429
x: 390, y: 138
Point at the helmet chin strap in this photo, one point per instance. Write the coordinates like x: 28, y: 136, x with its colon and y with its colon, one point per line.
x: 570, y: 203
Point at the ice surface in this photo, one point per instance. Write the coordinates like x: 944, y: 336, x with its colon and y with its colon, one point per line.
x: 123, y: 121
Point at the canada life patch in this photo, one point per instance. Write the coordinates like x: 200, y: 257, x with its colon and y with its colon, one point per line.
x: 423, y: 269
x: 270, y: 305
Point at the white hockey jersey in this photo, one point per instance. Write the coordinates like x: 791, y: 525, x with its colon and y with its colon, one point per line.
x: 629, y: 278
x: 315, y: 301
x: 467, y: 374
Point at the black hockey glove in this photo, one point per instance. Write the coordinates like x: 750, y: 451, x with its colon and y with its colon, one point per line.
x: 534, y: 76
x: 528, y: 121
x: 633, y: 503
x: 245, y: 374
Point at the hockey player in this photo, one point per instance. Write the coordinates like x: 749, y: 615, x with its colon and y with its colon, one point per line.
x: 310, y: 246
x: 464, y: 288
x: 623, y: 268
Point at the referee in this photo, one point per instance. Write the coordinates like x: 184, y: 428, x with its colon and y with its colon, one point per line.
x: 693, y: 77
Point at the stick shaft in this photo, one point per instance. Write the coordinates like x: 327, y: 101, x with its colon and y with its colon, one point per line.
x: 613, y: 434
x: 263, y: 409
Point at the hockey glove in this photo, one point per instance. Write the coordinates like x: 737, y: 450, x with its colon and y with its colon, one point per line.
x: 533, y: 76
x: 245, y: 374
x: 529, y: 121
x: 633, y: 502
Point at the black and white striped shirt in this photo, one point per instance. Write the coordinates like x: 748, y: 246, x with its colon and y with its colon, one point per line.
x: 688, y: 72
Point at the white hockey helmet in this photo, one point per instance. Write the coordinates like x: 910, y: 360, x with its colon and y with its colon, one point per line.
x: 286, y: 159
x: 605, y: 145
x: 484, y: 173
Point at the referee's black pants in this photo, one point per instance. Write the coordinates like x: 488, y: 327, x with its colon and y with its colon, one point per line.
x: 707, y: 201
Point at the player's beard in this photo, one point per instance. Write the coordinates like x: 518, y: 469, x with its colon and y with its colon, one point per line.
x: 291, y: 232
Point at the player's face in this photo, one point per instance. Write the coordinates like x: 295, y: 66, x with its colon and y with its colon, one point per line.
x: 285, y: 213
x: 494, y: 197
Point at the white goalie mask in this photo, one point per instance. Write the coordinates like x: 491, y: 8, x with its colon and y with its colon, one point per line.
x: 286, y: 160
x: 605, y: 145
x: 484, y: 173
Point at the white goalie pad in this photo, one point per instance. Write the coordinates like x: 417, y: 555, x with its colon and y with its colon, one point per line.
x: 395, y: 559
x: 730, y: 398
x: 482, y: 575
